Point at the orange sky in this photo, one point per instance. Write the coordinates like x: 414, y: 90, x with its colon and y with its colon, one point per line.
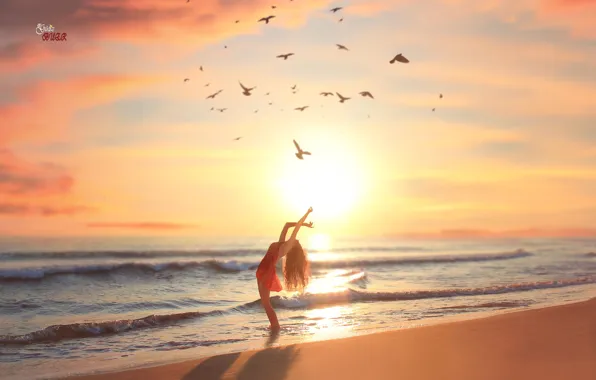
x: 99, y: 135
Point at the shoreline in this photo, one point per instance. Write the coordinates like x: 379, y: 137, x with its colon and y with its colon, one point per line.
x: 552, y: 342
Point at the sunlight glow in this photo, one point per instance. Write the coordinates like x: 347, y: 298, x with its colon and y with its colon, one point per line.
x: 332, y: 180
x: 319, y: 242
x: 334, y: 282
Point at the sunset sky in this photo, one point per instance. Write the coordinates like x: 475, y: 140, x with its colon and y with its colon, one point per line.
x: 99, y: 135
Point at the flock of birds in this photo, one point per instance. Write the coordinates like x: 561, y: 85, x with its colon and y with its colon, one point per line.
x: 247, y: 91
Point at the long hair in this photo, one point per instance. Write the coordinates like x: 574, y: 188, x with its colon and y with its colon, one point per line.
x: 296, y: 269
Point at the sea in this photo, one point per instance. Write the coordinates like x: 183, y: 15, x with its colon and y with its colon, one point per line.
x: 86, y: 305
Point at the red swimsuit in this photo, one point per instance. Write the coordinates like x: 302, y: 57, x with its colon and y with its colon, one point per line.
x: 266, y: 274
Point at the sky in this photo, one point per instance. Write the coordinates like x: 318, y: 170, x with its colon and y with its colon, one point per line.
x: 100, y: 135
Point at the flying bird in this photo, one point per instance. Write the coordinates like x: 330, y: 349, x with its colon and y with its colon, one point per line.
x: 270, y: 103
x: 207, y: 85
x: 300, y: 151
x: 366, y: 93
x: 245, y: 90
x: 335, y: 9
x: 433, y: 109
x: 440, y: 96
x: 285, y: 56
x: 273, y: 7
x: 399, y: 58
x: 266, y: 19
x: 341, y: 98
x: 237, y: 138
x: 256, y: 111
x: 186, y: 79
x: 267, y: 94
x: 237, y: 21
x: 212, y: 108
x: 301, y: 108
x: 326, y: 93
x: 293, y: 92
x: 221, y: 109
x: 342, y: 47
x: 341, y: 19
x: 212, y: 96
x: 293, y: 87
x: 201, y: 68
x: 225, y: 46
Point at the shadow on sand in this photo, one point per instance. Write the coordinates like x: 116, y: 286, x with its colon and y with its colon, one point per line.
x: 212, y: 368
x: 269, y: 364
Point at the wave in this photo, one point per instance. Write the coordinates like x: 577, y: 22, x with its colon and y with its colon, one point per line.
x: 70, y: 255
x: 92, y: 329
x: 487, y: 305
x: 232, y: 266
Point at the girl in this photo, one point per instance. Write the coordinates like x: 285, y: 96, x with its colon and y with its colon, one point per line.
x: 296, y: 268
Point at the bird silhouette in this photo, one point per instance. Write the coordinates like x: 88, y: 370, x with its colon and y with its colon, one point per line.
x: 267, y: 94
x: 301, y: 108
x: 341, y: 98
x: 245, y: 90
x: 237, y: 21
x: 399, y: 58
x: 212, y: 108
x: 433, y: 109
x: 293, y: 92
x: 270, y: 103
x: 326, y: 93
x: 212, y: 96
x: 293, y: 87
x: 285, y: 56
x: 221, y: 109
x: 237, y: 138
x: 273, y: 7
x: 201, y: 68
x: 440, y: 96
x: 366, y: 93
x: 186, y: 79
x: 342, y: 47
x: 266, y: 19
x: 225, y: 46
x: 300, y: 151
x: 207, y: 85
x: 256, y: 111
x: 341, y: 19
x: 335, y: 9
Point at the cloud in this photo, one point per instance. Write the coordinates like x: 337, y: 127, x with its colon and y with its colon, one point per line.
x: 149, y: 20
x: 518, y: 233
x: 21, y: 178
x: 24, y: 209
x: 141, y: 225
x: 25, y: 54
x: 44, y: 108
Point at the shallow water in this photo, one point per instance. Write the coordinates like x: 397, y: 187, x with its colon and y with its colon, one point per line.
x: 109, y: 304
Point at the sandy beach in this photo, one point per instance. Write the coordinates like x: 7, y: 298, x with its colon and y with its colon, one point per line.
x: 550, y: 343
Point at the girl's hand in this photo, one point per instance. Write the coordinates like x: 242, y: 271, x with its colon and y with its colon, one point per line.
x: 309, y: 225
x: 309, y: 210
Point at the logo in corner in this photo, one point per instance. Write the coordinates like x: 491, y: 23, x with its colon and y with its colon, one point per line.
x: 48, y: 33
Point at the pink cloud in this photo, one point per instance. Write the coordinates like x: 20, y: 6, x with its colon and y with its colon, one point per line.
x: 141, y: 225
x: 44, y: 108
x: 25, y: 209
x: 25, y: 54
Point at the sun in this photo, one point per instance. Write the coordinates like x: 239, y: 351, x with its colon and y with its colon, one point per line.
x: 331, y: 181
x: 319, y: 242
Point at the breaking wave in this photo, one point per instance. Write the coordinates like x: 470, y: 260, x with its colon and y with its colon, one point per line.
x: 232, y: 266
x: 93, y: 329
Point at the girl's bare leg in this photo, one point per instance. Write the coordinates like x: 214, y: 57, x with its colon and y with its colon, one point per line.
x: 266, y: 302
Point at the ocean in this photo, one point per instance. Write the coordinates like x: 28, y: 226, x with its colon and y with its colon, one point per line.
x: 72, y: 306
